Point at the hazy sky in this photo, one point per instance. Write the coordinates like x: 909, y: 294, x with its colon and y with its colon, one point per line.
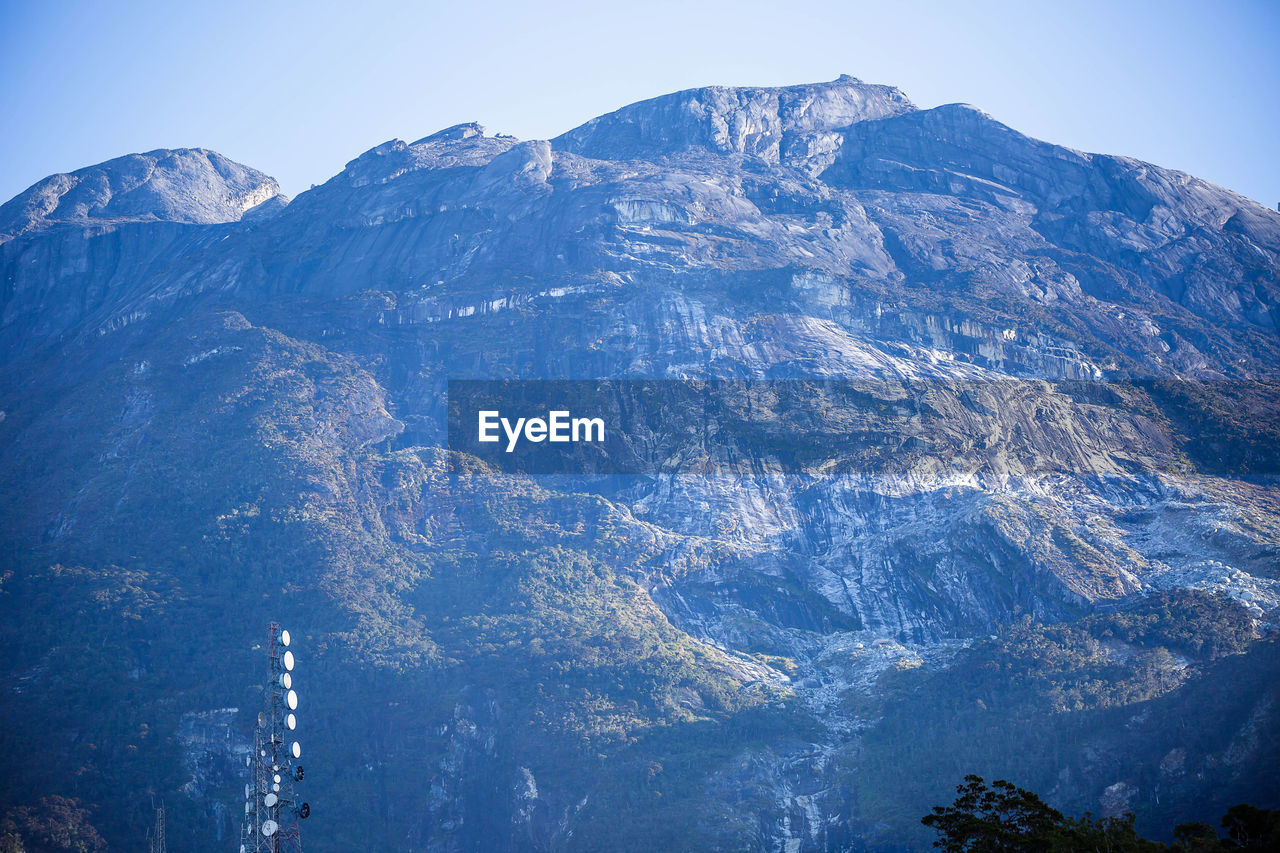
x: 298, y: 90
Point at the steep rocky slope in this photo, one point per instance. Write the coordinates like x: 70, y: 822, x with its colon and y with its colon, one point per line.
x: 220, y: 408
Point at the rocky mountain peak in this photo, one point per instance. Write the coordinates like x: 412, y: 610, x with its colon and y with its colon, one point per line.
x: 463, y: 144
x: 772, y: 123
x: 188, y: 185
x: 466, y: 130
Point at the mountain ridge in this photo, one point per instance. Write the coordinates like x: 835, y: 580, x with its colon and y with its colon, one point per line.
x: 781, y: 103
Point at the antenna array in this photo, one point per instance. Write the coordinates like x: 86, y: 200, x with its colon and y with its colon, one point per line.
x: 272, y: 809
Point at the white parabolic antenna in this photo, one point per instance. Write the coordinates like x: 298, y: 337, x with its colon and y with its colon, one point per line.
x: 286, y: 680
x: 284, y: 638
x: 297, y: 749
x: 291, y: 721
x: 275, y: 778
x: 269, y: 828
x: 288, y: 661
x: 246, y: 792
x: 270, y: 800
x: 292, y: 699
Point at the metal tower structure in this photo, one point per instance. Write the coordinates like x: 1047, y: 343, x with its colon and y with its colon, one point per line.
x: 272, y: 810
x: 157, y: 834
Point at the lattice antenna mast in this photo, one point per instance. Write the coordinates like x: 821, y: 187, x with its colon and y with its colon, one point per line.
x: 272, y: 810
x: 158, y: 844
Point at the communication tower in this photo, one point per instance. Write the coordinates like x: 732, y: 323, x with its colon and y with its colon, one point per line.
x: 273, y: 811
x: 157, y: 835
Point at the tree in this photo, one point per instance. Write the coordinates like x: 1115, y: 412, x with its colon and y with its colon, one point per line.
x: 1003, y: 817
x: 1007, y: 819
x: 1251, y: 828
x: 1197, y: 837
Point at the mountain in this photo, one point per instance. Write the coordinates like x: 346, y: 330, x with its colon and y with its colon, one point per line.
x: 187, y: 185
x: 1040, y: 544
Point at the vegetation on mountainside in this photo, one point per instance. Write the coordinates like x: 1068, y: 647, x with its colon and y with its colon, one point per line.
x: 429, y: 599
x: 1004, y: 818
x: 52, y: 825
x: 1167, y: 677
x: 1230, y: 428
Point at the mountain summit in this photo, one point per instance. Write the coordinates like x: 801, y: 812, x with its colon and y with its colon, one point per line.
x: 773, y: 124
x: 189, y: 185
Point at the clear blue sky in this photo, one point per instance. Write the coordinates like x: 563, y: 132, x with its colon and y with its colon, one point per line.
x: 296, y: 90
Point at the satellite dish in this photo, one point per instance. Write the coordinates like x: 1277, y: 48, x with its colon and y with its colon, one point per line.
x: 248, y: 759
x: 297, y: 749
x: 291, y: 721
x: 276, y: 787
x: 270, y: 800
x: 269, y: 828
x: 263, y: 753
x: 288, y: 660
x: 246, y: 808
x: 286, y: 680
x: 284, y: 638
x: 262, y: 720
x: 297, y: 773
x: 246, y: 792
x: 292, y: 699
x: 276, y: 778
x: 305, y: 811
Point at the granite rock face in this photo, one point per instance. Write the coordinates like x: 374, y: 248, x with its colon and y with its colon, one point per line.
x: 776, y: 125
x: 1073, y: 357
x: 189, y: 185
x: 101, y: 231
